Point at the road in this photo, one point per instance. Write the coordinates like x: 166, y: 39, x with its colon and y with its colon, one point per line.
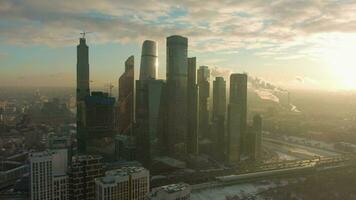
x: 292, y: 151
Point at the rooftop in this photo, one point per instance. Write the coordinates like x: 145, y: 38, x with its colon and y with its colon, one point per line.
x: 175, y: 187
x: 125, y: 171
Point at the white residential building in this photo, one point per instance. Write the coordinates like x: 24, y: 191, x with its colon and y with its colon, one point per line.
x: 41, y: 176
x: 48, y: 178
x: 128, y: 183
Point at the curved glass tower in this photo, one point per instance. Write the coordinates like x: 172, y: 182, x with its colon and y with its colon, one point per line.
x: 149, y: 60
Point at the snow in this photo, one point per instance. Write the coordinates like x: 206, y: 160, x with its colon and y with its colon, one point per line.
x: 219, y: 193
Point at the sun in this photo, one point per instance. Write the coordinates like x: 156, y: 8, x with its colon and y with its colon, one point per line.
x: 340, y: 56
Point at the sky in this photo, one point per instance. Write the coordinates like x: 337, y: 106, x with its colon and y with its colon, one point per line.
x: 290, y: 43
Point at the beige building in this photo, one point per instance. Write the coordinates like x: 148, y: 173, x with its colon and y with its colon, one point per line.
x: 128, y: 183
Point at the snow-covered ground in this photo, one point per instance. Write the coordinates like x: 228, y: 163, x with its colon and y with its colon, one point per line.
x: 241, y: 190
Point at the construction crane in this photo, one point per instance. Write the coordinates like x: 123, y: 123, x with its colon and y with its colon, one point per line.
x: 110, y: 86
x: 84, y: 33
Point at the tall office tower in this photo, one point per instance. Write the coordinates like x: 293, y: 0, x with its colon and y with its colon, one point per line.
x: 257, y: 129
x: 237, y: 113
x: 82, y: 90
x: 149, y: 60
x: 177, y: 64
x: 148, y: 104
x: 82, y: 173
x: 126, y: 98
x: 41, y: 176
x: 219, y: 98
x: 204, y: 93
x: 219, y: 112
x: 129, y: 183
x: 180, y: 191
x: 192, y: 137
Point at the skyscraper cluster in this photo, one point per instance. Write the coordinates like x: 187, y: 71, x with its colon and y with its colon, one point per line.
x: 175, y: 117
x: 170, y: 121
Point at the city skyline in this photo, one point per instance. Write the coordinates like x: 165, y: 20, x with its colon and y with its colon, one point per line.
x: 309, y: 44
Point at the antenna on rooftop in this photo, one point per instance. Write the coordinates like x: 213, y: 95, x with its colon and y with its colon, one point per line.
x: 84, y: 33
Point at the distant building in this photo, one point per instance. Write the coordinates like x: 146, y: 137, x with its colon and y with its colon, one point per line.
x: 177, y: 71
x: 149, y: 60
x: 126, y: 98
x: 204, y: 93
x: 83, y: 89
x: 193, y: 106
x: 61, y: 142
x: 83, y: 171
x: 11, y: 171
x: 128, y: 183
x: 254, y: 139
x: 257, y: 128
x: 179, y: 191
x: 237, y: 114
x: 56, y: 141
x: 125, y: 148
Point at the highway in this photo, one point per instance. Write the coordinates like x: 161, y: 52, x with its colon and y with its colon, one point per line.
x: 293, y: 151
x: 282, y: 169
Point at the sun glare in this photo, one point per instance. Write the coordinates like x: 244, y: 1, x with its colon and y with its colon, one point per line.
x: 340, y: 55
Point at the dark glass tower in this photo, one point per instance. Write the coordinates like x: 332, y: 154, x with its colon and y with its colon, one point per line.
x: 219, y: 113
x: 192, y: 137
x: 204, y: 93
x: 83, y: 90
x: 237, y: 114
x: 177, y: 64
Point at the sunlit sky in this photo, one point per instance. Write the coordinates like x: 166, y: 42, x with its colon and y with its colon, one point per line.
x: 291, y: 43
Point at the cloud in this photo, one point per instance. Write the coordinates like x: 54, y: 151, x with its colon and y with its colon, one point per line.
x: 3, y: 55
x: 274, y: 28
x: 305, y: 80
x: 220, y: 72
x: 299, y: 79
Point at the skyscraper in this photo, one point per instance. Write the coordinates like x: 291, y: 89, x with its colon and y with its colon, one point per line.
x: 219, y: 98
x: 148, y: 104
x: 219, y: 112
x: 149, y: 60
x: 177, y: 64
x: 82, y: 70
x: 237, y: 113
x: 204, y: 93
x: 193, y: 104
x: 126, y: 98
x: 82, y: 90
